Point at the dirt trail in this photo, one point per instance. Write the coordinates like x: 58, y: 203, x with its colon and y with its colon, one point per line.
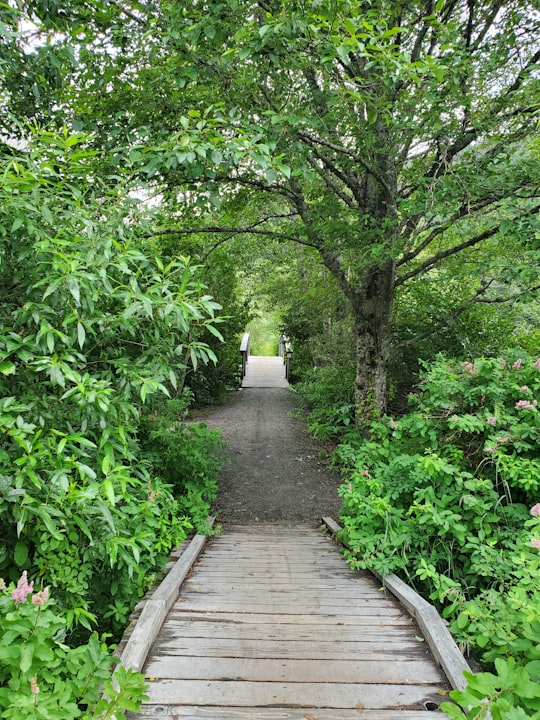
x: 275, y: 474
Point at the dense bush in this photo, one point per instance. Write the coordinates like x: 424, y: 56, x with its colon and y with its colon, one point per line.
x: 447, y: 496
x: 327, y: 396
x: 92, y: 325
x: 186, y: 456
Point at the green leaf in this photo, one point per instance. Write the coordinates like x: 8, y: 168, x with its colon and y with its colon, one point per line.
x: 349, y: 26
x: 27, y: 656
x: 7, y: 367
x: 109, y: 491
x: 20, y: 554
x: 81, y: 334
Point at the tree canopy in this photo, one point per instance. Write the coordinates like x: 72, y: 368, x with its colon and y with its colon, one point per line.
x: 391, y: 137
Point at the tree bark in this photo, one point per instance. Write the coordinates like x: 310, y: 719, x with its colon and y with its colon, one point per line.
x: 372, y: 309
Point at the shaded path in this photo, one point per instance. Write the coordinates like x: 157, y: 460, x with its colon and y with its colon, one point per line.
x: 275, y: 472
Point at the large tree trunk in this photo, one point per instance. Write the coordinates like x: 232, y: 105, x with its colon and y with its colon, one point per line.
x: 372, y: 308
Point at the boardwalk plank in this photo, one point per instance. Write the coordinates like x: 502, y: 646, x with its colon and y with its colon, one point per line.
x: 389, y: 650
x: 320, y: 618
x: 262, y: 627
x: 374, y: 632
x: 418, y: 672
x: 182, y: 712
x: 204, y: 602
x: 292, y: 694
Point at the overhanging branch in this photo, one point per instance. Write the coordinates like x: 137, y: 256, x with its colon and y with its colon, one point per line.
x: 471, y: 242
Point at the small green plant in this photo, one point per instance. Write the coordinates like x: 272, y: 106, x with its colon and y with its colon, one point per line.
x: 327, y: 395
x: 41, y: 678
x: 511, y: 693
x: 187, y: 456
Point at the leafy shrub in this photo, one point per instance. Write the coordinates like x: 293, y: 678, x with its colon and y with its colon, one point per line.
x: 92, y: 325
x: 447, y: 496
x: 327, y: 394
x: 187, y: 456
x: 41, y: 677
x: 512, y: 693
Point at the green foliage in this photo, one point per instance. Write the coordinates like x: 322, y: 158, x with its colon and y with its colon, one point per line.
x: 443, y: 495
x: 186, y: 456
x: 327, y: 396
x: 513, y: 693
x: 42, y: 678
x: 92, y: 324
x: 264, y: 333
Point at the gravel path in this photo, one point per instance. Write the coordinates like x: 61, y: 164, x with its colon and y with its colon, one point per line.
x: 275, y: 474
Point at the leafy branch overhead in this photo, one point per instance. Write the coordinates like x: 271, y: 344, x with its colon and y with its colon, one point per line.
x: 389, y: 138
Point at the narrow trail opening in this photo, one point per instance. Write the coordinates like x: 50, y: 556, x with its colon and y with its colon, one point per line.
x: 275, y: 472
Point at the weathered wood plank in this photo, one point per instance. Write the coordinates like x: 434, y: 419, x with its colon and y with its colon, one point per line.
x: 432, y: 626
x: 182, y: 712
x: 307, y: 598
x: 326, y: 618
x: 417, y: 672
x: 384, y: 650
x: 178, y: 627
x: 202, y: 584
x: 331, y: 695
x: 203, y: 603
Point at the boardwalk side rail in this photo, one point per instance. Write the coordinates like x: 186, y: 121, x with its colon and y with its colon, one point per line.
x: 146, y: 629
x: 433, y: 627
x: 244, y: 353
x: 285, y: 351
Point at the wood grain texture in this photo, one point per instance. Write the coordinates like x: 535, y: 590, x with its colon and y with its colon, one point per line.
x: 431, y: 624
x: 291, y: 694
x: 184, y: 712
x: 155, y: 610
x: 274, y: 625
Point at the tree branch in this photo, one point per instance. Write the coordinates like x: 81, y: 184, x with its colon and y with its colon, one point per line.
x: 471, y: 242
x: 313, y: 141
x: 232, y: 231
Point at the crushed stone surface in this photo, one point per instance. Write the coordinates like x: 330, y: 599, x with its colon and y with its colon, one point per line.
x: 275, y: 472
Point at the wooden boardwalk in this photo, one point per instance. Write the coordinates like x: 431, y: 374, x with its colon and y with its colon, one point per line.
x: 265, y: 372
x: 271, y: 624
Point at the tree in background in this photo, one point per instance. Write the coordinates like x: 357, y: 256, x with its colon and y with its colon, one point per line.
x: 393, y: 138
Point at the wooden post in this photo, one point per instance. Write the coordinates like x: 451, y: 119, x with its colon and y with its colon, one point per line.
x: 244, y: 352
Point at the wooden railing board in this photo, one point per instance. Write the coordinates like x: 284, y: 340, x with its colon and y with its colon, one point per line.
x: 437, y: 635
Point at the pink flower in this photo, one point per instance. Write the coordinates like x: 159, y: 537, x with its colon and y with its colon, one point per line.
x: 34, y: 686
x: 41, y: 597
x: 490, y: 450
x: 535, y: 542
x: 23, y: 589
x: 503, y: 362
x: 537, y: 364
x: 535, y: 510
x: 393, y: 424
x: 492, y: 421
x: 524, y: 405
x: 517, y: 364
x: 469, y: 368
x: 523, y: 388
x: 2, y: 584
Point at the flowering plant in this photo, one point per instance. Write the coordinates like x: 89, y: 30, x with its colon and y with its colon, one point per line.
x: 41, y: 677
x: 448, y: 496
